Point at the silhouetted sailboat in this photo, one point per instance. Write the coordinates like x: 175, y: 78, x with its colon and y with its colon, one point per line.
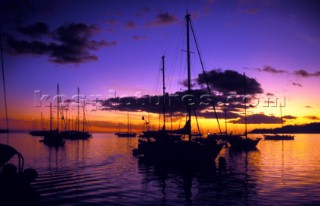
x: 41, y: 132
x: 178, y: 150
x: 77, y: 134
x: 53, y: 138
x: 129, y: 132
x: 242, y: 141
x: 169, y: 134
x: 279, y: 136
x: 6, y: 130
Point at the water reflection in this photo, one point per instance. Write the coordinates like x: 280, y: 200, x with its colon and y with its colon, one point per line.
x: 224, y: 184
x: 102, y: 171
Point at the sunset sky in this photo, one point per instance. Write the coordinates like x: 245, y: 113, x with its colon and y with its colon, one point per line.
x: 113, y: 49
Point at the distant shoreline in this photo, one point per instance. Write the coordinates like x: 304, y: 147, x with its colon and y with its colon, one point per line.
x: 312, y: 128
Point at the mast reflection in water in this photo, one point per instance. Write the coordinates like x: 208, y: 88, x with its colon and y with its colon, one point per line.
x: 102, y: 171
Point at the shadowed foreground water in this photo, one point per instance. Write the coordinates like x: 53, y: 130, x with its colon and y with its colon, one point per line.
x: 102, y: 171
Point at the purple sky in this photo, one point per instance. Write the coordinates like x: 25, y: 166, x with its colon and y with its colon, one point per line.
x: 106, y: 46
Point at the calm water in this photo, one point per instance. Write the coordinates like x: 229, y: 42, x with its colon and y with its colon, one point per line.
x: 102, y: 171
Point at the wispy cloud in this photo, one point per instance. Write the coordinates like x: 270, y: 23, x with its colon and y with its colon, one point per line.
x: 163, y: 19
x: 137, y: 38
x: 301, y: 72
x: 130, y: 25
x: 312, y: 117
x: 208, y: 6
x: 304, y: 73
x: 296, y: 84
x: 289, y: 117
x: 271, y: 70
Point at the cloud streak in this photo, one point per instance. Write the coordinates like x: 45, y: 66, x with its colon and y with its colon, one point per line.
x: 312, y: 117
x: 304, y: 73
x: 130, y: 25
x: 301, y: 72
x: 258, y: 119
x: 296, y: 84
x: 163, y: 19
x: 137, y: 37
x: 270, y: 69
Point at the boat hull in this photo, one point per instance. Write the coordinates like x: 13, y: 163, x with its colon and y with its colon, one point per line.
x: 126, y: 134
x: 53, y: 139
x: 40, y: 133
x: 75, y: 135
x: 243, y: 143
x: 179, y: 151
x: 278, y: 137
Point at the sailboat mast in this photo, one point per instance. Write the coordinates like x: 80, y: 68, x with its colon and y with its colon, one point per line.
x: 225, y: 119
x: 128, y: 125
x: 83, y: 118
x: 189, y: 71
x: 42, y: 126
x: 78, y: 118
x: 245, y: 106
x: 164, y: 94
x: 4, y: 83
x: 50, y: 116
x: 281, y: 116
x: 58, y: 105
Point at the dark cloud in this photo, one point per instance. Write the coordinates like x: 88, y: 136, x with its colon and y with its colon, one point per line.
x: 230, y: 81
x: 258, y: 119
x: 304, y: 73
x: 16, y: 47
x: 130, y: 25
x: 289, y: 117
x: 271, y: 70
x: 185, y: 83
x: 296, y: 84
x: 270, y: 94
x: 199, y: 98
x: 17, y: 12
x: 221, y: 115
x: 136, y: 37
x: 178, y: 102
x: 70, y: 43
x: 309, y: 107
x: 36, y: 30
x: 312, y: 117
x: 163, y: 19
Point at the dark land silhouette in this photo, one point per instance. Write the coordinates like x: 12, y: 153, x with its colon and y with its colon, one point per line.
x: 312, y: 128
